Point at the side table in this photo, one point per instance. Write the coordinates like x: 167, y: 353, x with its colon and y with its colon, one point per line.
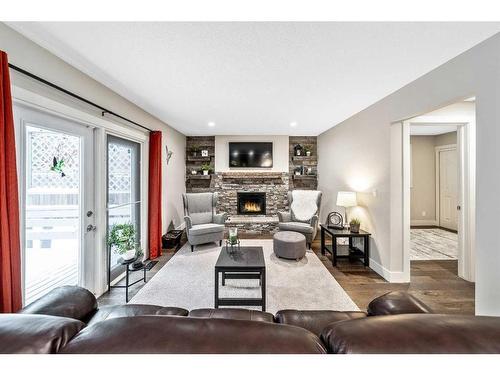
x: 354, y: 252
x: 128, y: 270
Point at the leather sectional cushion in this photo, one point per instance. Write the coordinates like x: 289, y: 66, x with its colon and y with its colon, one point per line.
x: 36, y: 334
x: 120, y: 311
x: 393, y: 303
x: 414, y: 334
x: 238, y: 314
x: 166, y: 334
x: 66, y: 301
x: 315, y: 320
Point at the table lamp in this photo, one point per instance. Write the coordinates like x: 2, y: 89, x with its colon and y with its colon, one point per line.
x: 346, y: 199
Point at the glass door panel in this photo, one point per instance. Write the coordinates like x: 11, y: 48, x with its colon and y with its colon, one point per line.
x: 123, y: 190
x: 53, y: 197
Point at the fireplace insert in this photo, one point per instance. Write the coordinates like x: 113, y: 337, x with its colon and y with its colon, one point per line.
x: 251, y: 203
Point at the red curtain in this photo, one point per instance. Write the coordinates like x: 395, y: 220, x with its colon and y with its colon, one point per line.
x: 10, y: 248
x: 154, y: 216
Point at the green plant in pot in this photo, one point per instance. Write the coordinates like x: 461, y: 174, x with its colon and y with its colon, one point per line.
x: 206, y: 169
x: 307, y: 150
x: 354, y: 225
x: 122, y: 240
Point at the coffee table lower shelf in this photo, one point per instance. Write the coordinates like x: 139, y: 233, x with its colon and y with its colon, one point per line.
x: 250, y: 274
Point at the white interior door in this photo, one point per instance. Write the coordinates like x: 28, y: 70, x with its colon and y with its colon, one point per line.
x: 57, y: 201
x: 448, y: 189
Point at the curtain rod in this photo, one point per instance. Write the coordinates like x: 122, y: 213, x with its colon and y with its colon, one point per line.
x: 67, y: 92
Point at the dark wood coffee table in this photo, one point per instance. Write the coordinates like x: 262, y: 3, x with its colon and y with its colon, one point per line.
x: 247, y: 262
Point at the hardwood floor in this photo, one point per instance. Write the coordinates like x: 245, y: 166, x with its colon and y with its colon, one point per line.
x: 434, y: 282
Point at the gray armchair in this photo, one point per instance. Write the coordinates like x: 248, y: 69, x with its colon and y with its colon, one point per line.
x: 203, y: 225
x: 304, y: 213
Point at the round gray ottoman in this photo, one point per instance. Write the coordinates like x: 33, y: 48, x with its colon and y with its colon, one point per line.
x: 289, y: 245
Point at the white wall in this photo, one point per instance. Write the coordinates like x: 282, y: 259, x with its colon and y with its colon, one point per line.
x: 359, y: 153
x: 33, y: 58
x: 280, y: 152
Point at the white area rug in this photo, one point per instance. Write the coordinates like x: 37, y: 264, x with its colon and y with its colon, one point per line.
x: 188, y: 279
x: 433, y: 244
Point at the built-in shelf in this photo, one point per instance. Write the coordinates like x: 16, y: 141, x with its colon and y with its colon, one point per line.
x: 199, y: 177
x: 304, y: 177
x: 303, y: 157
x: 199, y: 158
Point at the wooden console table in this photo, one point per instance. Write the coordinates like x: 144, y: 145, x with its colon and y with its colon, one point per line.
x: 354, y: 252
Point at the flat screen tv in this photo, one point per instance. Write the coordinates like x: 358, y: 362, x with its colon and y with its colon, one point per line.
x: 250, y: 154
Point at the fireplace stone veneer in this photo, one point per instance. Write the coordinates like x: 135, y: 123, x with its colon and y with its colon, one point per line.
x: 274, y: 185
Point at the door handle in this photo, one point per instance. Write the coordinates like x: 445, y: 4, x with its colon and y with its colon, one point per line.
x: 459, y: 208
x: 91, y: 228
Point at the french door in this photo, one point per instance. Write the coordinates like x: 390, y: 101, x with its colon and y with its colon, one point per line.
x: 55, y: 159
x: 123, y: 192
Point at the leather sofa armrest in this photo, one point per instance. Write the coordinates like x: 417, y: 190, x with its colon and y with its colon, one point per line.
x: 66, y: 301
x: 395, y: 303
x: 220, y: 218
x: 36, y: 334
x: 315, y: 320
x: 284, y: 217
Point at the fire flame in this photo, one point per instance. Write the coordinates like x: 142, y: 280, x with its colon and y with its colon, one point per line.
x: 251, y: 207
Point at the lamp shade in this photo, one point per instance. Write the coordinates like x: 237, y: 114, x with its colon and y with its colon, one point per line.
x: 346, y: 199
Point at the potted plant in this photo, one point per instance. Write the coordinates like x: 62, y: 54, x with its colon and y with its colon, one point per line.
x: 354, y: 225
x: 195, y: 150
x: 206, y: 168
x: 121, y: 239
x: 307, y: 150
x: 298, y: 171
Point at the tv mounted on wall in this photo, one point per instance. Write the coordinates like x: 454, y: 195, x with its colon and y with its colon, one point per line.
x: 250, y: 154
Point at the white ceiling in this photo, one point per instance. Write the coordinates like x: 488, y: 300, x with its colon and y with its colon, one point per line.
x: 255, y: 78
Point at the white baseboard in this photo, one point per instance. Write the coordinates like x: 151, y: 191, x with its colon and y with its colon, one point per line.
x: 390, y: 276
x: 423, y: 222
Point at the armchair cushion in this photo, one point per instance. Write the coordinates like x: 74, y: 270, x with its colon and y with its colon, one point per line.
x: 284, y: 217
x: 198, y: 230
x: 295, y: 226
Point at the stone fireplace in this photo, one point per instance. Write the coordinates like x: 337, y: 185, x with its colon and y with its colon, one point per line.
x: 251, y: 203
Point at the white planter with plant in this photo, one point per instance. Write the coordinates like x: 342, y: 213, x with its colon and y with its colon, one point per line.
x: 206, y: 169
x: 122, y: 240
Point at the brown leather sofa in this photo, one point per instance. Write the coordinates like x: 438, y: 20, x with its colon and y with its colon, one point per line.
x: 68, y: 320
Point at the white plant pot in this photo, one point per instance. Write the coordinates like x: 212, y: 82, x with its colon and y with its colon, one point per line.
x: 205, y: 173
x: 308, y: 153
x: 130, y: 254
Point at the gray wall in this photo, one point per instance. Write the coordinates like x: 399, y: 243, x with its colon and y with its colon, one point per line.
x: 30, y: 56
x: 356, y: 154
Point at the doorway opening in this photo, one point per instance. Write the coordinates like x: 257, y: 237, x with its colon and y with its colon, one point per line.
x: 434, y: 192
x: 439, y: 189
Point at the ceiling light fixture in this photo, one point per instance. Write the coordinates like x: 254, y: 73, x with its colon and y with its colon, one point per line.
x: 293, y: 124
x: 211, y: 124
